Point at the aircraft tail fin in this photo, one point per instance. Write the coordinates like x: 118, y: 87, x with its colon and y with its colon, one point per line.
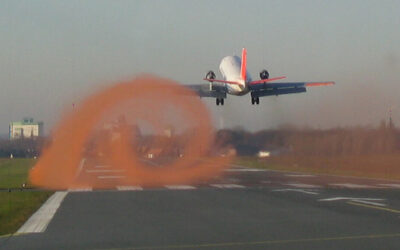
x: 244, y: 63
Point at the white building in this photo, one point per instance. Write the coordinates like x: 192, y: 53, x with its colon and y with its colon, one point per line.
x: 25, y: 129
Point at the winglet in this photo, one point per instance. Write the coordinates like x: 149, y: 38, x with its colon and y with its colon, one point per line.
x: 244, y: 63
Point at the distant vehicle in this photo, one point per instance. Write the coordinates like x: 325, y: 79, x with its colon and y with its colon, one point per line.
x: 237, y: 81
x: 263, y: 154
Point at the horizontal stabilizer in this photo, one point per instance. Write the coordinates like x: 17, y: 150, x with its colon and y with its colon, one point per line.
x: 267, y: 80
x: 223, y: 81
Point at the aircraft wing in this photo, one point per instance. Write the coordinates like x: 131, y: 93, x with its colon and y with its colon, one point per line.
x: 206, y: 90
x: 282, y: 88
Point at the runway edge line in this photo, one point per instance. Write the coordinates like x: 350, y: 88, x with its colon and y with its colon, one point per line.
x: 39, y: 221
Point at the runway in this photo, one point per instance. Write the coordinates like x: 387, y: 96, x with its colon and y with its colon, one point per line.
x: 244, y: 209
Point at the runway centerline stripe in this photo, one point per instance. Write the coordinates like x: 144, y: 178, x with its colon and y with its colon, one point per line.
x: 39, y: 221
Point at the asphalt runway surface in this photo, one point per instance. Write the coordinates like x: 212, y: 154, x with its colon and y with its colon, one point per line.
x: 244, y: 209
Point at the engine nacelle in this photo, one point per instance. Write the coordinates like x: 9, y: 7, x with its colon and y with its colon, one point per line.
x: 210, y: 75
x: 264, y: 74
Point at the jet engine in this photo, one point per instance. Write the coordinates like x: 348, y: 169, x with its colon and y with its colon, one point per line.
x: 210, y: 75
x: 264, y: 74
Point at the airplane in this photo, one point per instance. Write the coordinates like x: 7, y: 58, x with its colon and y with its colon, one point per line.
x: 237, y: 81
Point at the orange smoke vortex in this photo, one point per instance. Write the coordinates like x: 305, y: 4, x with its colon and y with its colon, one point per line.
x: 148, y: 132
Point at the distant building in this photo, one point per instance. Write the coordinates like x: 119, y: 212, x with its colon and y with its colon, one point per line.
x: 25, y: 129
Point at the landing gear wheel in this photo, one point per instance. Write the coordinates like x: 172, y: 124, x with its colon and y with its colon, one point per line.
x: 222, y: 101
x: 255, y: 100
x: 217, y: 101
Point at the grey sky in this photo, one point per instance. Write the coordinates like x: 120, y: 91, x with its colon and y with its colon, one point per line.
x: 53, y: 53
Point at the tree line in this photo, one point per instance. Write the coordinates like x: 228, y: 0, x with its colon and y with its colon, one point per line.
x: 21, y: 148
x: 384, y: 139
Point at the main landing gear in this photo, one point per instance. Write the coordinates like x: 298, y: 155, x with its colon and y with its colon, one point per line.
x: 255, y: 100
x: 219, y: 101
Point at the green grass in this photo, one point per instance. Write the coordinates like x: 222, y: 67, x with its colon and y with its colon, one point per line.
x: 14, y: 172
x: 17, y: 206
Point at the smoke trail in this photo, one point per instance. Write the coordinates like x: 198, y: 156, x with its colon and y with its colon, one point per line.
x: 119, y: 127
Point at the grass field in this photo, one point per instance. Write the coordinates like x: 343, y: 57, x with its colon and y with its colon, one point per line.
x: 14, y: 172
x: 16, y: 206
x: 386, y: 166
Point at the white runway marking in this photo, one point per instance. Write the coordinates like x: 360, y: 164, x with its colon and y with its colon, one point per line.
x: 180, y: 187
x: 226, y: 185
x: 350, y: 198
x: 370, y: 201
x: 110, y: 177
x: 39, y: 221
x: 244, y: 170
x: 129, y: 188
x: 302, y: 185
x: 390, y: 185
x: 351, y: 185
x: 80, y: 167
x: 105, y: 170
x: 80, y: 189
x: 299, y: 175
x: 101, y: 166
x: 296, y: 190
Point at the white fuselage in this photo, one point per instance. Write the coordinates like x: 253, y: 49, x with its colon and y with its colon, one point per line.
x: 230, y: 69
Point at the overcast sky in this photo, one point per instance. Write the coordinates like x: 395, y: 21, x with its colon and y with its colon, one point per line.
x: 53, y: 53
